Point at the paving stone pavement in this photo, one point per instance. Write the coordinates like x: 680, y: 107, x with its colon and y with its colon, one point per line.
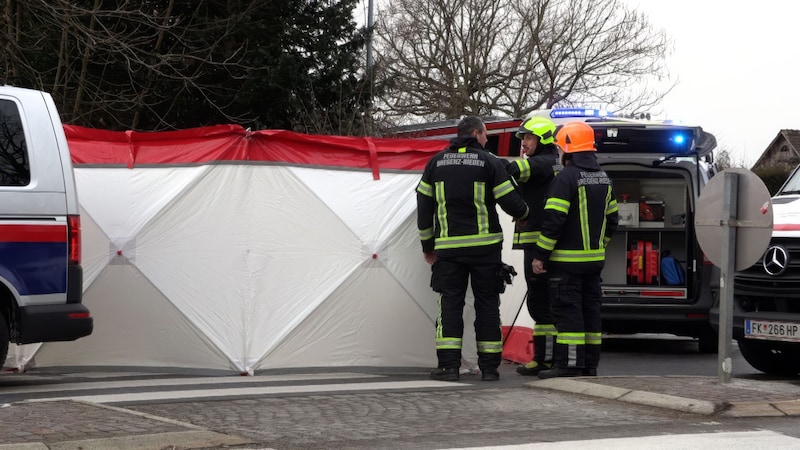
x: 68, y: 420
x: 380, y: 419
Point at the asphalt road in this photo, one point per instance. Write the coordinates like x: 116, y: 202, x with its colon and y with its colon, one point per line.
x: 354, y: 408
x: 663, y: 354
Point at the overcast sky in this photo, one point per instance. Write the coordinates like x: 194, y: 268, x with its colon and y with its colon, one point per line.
x: 735, y: 63
x: 735, y: 67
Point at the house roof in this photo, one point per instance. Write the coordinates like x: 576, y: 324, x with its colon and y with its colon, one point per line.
x: 791, y: 137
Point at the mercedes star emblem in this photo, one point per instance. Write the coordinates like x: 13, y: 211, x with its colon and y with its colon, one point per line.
x: 776, y: 260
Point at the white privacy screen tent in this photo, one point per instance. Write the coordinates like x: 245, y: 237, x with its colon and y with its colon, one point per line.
x: 220, y: 248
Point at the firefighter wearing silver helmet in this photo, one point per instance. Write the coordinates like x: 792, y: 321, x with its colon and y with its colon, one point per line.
x: 533, y: 174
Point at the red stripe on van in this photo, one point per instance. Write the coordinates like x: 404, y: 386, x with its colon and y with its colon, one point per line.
x: 33, y: 233
x: 786, y: 227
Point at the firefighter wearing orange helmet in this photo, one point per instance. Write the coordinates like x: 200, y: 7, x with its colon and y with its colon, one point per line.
x: 580, y: 216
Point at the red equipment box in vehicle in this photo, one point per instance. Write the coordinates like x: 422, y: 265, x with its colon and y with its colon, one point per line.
x: 643, y: 258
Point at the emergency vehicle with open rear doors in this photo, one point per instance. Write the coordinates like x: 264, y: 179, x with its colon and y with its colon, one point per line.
x: 656, y: 278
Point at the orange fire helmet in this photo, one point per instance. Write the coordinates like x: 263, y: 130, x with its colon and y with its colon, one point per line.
x: 576, y: 137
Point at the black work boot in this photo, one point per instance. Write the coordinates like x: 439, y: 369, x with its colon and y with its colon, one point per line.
x: 441, y: 374
x: 490, y: 375
x: 533, y: 368
x: 590, y: 371
x: 558, y: 372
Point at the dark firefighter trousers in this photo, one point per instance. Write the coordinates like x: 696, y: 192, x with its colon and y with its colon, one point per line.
x: 450, y: 278
x: 575, y: 302
x: 544, y: 327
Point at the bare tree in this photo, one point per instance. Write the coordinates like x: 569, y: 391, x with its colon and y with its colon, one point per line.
x: 726, y: 160
x: 446, y: 58
x: 167, y: 64
x: 127, y: 64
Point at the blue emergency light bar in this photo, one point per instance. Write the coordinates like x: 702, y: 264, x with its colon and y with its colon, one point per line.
x: 632, y: 138
x: 625, y: 136
x: 561, y: 113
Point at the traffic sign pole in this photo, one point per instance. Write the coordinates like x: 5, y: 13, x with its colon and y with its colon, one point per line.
x: 727, y: 271
x: 733, y: 224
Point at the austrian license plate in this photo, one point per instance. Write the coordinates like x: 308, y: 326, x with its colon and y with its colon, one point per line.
x: 772, y: 331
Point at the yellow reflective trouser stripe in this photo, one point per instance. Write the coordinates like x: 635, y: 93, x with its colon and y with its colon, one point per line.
x: 575, y: 338
x: 544, y: 329
x: 524, y: 169
x: 481, y: 212
x: 426, y: 234
x: 425, y: 189
x: 448, y: 343
x: 562, y: 255
x: 594, y: 338
x: 473, y: 240
x: 442, y: 342
x: 490, y: 346
x: 557, y: 204
x: 526, y: 237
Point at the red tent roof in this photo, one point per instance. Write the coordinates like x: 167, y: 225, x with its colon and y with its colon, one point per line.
x: 232, y: 143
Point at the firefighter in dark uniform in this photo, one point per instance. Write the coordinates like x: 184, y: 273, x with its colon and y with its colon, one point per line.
x: 580, y: 216
x: 533, y: 175
x: 461, y: 237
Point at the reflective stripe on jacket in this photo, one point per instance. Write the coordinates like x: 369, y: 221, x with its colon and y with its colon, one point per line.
x: 457, y: 197
x: 533, y: 175
x: 580, y: 216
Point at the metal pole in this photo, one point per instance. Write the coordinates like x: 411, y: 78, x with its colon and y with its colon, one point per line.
x: 368, y: 122
x: 369, y: 41
x: 730, y: 213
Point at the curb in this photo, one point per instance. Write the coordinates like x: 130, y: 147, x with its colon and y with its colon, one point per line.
x: 672, y: 402
x: 159, y: 441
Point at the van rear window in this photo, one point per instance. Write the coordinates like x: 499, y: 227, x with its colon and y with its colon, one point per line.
x: 14, y: 162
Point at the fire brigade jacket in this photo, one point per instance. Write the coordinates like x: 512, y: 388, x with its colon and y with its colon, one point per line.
x: 580, y: 216
x: 533, y: 175
x: 457, y: 198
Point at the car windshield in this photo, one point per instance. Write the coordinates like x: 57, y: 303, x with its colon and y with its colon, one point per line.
x: 792, y: 185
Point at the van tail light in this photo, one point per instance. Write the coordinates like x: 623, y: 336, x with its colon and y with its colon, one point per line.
x: 74, y: 239
x: 706, y: 261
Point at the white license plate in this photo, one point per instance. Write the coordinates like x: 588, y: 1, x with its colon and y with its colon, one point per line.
x: 772, y: 331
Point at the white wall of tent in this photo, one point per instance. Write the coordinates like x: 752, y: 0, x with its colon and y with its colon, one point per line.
x: 246, y: 266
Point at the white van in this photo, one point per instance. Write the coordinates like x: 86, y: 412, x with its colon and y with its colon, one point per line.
x: 41, y: 277
x: 766, y: 296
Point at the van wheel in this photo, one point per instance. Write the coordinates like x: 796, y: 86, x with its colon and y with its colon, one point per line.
x: 3, y: 339
x: 708, y: 342
x: 773, y: 358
